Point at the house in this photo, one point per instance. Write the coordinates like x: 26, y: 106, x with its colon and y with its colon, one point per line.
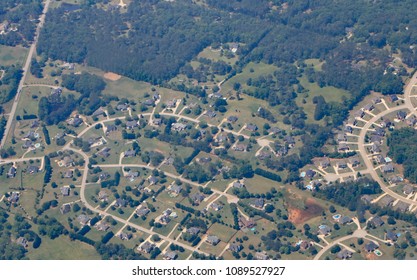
x: 352, y: 122
x: 120, y: 202
x: 105, y: 152
x: 393, y: 98
x: 171, y: 103
x: 376, y: 100
x: 65, y: 190
x: 274, y: 130
x: 122, y: 107
x: 98, y: 112
x: 324, y: 230
x: 67, y: 161
x: 234, y: 247
x: 343, y: 147
x: 310, y: 173
x: 170, y: 255
x: 243, y: 223
x: 157, y: 122
x: 395, y: 179
x: 217, y: 95
x: 375, y: 148
x: 156, y: 96
x: 388, y: 168
x: 12, y: 172
x: 369, y: 107
x: 263, y: 155
x: 153, y: 180
x: 83, y: 219
x: 65, y: 208
x: 366, y: 198
x: 204, y: 160
x: 348, y: 129
x: 359, y: 114
x: 102, y: 226
x: 377, y: 139
x: 178, y: 126
x: 289, y: 140
x: 32, y: 169
x: 149, y: 102
x: 304, y: 245
x: 232, y: 119
x: 376, y: 221
x: 31, y: 135
x: 164, y: 219
x: 142, y: 211
x: 386, y: 201
x: 380, y: 159
x: 371, y: 246
x: 197, y: 198
x: 175, y: 189
x: 103, y: 196
x: 341, y: 137
x: 212, y: 240
x: 22, y: 242
x: 379, y: 131
x: 103, y: 176
x: 341, y: 164
x: 75, y: 121
x: 261, y: 256
x: 402, y: 206
x: 68, y: 174
x: 132, y: 175
x: 221, y: 137
x: 391, y: 236
x: 345, y: 220
x: 258, y: 203
x: 210, y: 114
x: 408, y: 189
x: 14, y: 197
x: 110, y: 128
x: 411, y: 121
x: 193, y: 230
x: 251, y: 127
x: 125, y: 236
x: 324, y: 163
x: 216, y: 206
x: 238, y: 184
x: 401, y: 115
x: 129, y: 153
x: 27, y: 144
x: 34, y: 124
x: 131, y: 124
x: 385, y: 123
x: 354, y: 161
x: 344, y: 254
x: 240, y: 147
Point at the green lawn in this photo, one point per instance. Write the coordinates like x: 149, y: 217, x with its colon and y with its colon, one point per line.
x: 12, y: 55
x: 62, y: 248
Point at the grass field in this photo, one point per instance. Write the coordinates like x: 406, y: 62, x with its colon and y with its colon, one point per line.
x: 12, y: 55
x: 62, y: 248
x: 330, y: 94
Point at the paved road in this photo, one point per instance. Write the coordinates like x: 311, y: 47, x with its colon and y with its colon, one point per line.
x: 359, y: 233
x: 103, y: 213
x: 25, y: 71
x: 362, y: 147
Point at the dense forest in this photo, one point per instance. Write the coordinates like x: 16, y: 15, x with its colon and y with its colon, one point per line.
x: 19, y: 18
x: 403, y: 150
x: 9, y: 83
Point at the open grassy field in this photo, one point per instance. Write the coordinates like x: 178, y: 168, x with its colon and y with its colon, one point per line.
x: 252, y: 70
x: 62, y: 248
x: 12, y: 55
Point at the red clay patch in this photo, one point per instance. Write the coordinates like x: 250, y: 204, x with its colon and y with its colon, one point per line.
x: 299, y: 216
